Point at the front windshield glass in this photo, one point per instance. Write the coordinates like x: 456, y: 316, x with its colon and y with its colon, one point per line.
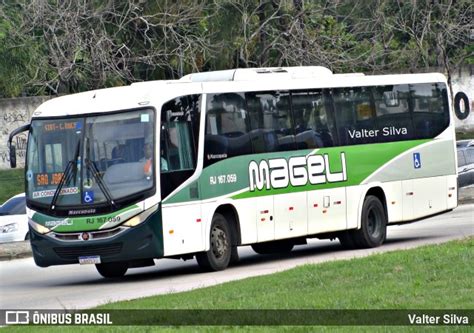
x: 92, y: 160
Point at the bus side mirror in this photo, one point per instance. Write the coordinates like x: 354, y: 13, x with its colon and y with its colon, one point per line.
x: 12, y: 147
x: 12, y: 156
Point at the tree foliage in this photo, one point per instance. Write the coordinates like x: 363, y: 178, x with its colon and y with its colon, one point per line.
x: 65, y: 46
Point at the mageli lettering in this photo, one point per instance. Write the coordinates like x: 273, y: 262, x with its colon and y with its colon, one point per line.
x: 297, y: 171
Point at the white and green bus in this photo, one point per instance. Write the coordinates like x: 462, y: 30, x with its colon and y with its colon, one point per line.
x: 265, y: 157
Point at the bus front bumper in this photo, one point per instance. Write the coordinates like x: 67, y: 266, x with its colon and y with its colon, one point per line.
x: 144, y: 241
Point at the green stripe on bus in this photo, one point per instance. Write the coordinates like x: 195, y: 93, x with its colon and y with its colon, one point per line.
x: 86, y: 223
x: 361, y: 162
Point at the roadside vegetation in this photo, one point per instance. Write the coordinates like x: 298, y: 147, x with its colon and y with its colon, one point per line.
x: 464, y: 135
x: 429, y: 277
x: 11, y: 183
x: 61, y: 47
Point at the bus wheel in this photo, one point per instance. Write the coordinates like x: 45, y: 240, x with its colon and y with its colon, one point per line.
x: 234, y: 256
x: 373, y: 229
x: 282, y: 246
x: 112, y: 269
x: 219, y: 254
x: 346, y: 239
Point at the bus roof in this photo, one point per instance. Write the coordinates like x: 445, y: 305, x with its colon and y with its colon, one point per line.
x: 142, y: 94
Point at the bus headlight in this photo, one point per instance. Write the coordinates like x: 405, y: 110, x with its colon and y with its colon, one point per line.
x: 140, y: 218
x: 38, y: 227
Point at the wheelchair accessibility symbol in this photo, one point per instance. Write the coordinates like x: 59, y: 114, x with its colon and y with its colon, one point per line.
x: 88, y: 197
x: 417, y: 160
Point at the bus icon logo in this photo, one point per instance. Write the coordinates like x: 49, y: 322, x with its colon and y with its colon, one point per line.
x: 417, y: 160
x: 17, y: 317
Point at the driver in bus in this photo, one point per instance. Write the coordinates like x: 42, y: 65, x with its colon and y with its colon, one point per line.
x: 163, y: 161
x: 148, y: 166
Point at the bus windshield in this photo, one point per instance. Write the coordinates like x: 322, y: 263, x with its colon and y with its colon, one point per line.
x: 90, y: 161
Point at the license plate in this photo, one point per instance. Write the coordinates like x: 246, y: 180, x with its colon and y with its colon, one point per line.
x: 89, y: 260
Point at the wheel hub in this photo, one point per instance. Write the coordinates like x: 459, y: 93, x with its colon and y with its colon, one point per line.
x: 373, y: 225
x: 219, y: 242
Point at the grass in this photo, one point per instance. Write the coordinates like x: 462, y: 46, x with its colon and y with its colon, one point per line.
x: 419, y: 278
x: 464, y: 135
x: 11, y: 183
x: 430, y: 277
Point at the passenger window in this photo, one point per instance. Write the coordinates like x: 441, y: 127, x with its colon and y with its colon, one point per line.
x: 355, y: 114
x: 177, y: 152
x: 394, y: 120
x: 313, y: 127
x: 272, y: 128
x: 430, y: 109
x: 178, y: 139
x: 227, y: 127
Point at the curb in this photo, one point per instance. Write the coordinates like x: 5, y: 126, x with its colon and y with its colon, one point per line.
x: 15, y: 250
x: 465, y: 201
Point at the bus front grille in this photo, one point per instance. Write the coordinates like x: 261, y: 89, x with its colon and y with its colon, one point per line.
x: 73, y: 252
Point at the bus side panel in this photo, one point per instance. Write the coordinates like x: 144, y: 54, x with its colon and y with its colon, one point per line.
x: 327, y: 210
x: 354, y: 205
x: 265, y: 218
x: 452, y: 184
x: 182, y: 229
x: 290, y: 215
x: 247, y: 211
x: 394, y: 197
x: 430, y: 196
x: 207, y: 210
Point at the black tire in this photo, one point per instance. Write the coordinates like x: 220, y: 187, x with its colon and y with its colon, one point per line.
x: 346, y: 240
x: 220, y: 251
x: 373, y: 229
x: 234, y: 256
x: 282, y: 246
x: 112, y: 269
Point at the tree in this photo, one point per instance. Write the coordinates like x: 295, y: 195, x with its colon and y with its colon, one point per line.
x: 89, y: 45
x: 65, y: 46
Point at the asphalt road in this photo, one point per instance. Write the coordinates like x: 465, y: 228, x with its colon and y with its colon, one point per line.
x: 25, y: 286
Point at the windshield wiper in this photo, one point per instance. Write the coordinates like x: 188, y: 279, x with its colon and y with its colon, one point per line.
x: 66, y: 177
x: 103, y: 187
x: 96, y: 174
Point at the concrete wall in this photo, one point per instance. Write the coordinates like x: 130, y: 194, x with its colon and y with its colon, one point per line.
x: 463, y: 81
x: 15, y: 112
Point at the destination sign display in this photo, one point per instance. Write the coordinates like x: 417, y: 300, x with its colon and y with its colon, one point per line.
x: 60, y: 126
x: 48, y: 179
